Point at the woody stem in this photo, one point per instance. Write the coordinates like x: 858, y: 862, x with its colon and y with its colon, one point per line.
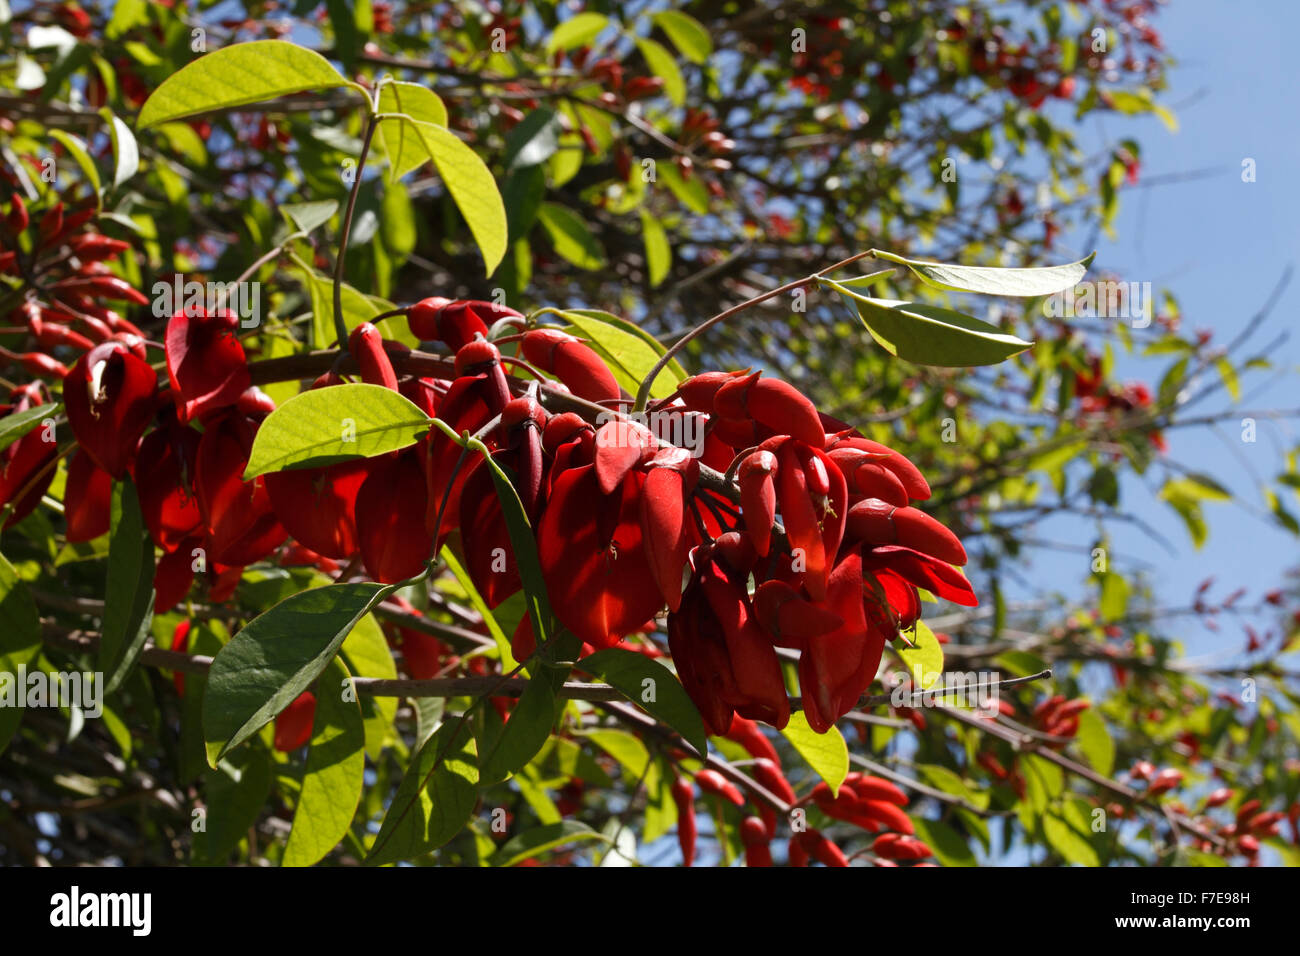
x: 340, y: 327
x: 643, y: 392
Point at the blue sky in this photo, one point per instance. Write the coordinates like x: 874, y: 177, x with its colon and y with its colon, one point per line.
x: 1220, y: 245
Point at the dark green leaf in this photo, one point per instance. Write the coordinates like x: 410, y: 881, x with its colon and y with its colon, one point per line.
x: 652, y: 686
x: 20, y: 642
x: 538, y: 840
x: 929, y: 335
x: 435, y: 799
x: 128, y: 594
x: 275, y: 657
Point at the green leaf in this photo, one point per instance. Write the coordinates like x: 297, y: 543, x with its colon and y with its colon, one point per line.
x: 326, y: 425
x: 689, y: 35
x: 491, y: 617
x: 1068, y: 842
x: 949, y: 847
x: 236, y: 76
x: 578, y: 30
x: 538, y: 840
x: 234, y: 793
x: 929, y: 335
x: 533, y: 141
x: 1229, y: 376
x: 1043, y: 280
x: 629, y: 352
x: 658, y: 252
x: 624, y: 747
x: 924, y: 659
x: 471, y: 185
x: 15, y: 426
x: 1094, y: 742
x: 357, y: 308
x: 572, y: 240
x: 947, y: 780
x: 275, y: 657
x: 336, y: 764
x: 663, y: 65
x: 126, y: 15
x: 424, y: 817
x: 309, y: 216
x: 20, y: 643
x: 871, y: 278
x: 1194, y: 487
x: 77, y: 150
x: 826, y: 753
x: 367, y: 654
x: 523, y: 543
x: 128, y: 593
x: 403, y: 148
x: 653, y: 687
x: 524, y: 733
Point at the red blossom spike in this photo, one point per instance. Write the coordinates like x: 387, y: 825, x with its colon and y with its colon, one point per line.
x: 206, y: 363
x: 774, y: 404
x: 24, y: 460
x: 802, y: 527
x: 923, y: 571
x: 684, y: 797
x: 293, y: 725
x: 485, y: 538
x: 754, y: 664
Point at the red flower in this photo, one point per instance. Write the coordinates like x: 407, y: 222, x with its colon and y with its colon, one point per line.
x: 205, y: 362
x: 109, y: 396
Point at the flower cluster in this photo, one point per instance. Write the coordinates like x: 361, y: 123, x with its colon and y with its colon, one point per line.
x: 818, y: 518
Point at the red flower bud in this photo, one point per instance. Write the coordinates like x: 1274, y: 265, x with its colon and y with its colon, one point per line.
x: 712, y: 782
x: 367, y: 345
x: 874, y: 522
x: 813, y: 843
x: 684, y: 797
x: 572, y: 362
